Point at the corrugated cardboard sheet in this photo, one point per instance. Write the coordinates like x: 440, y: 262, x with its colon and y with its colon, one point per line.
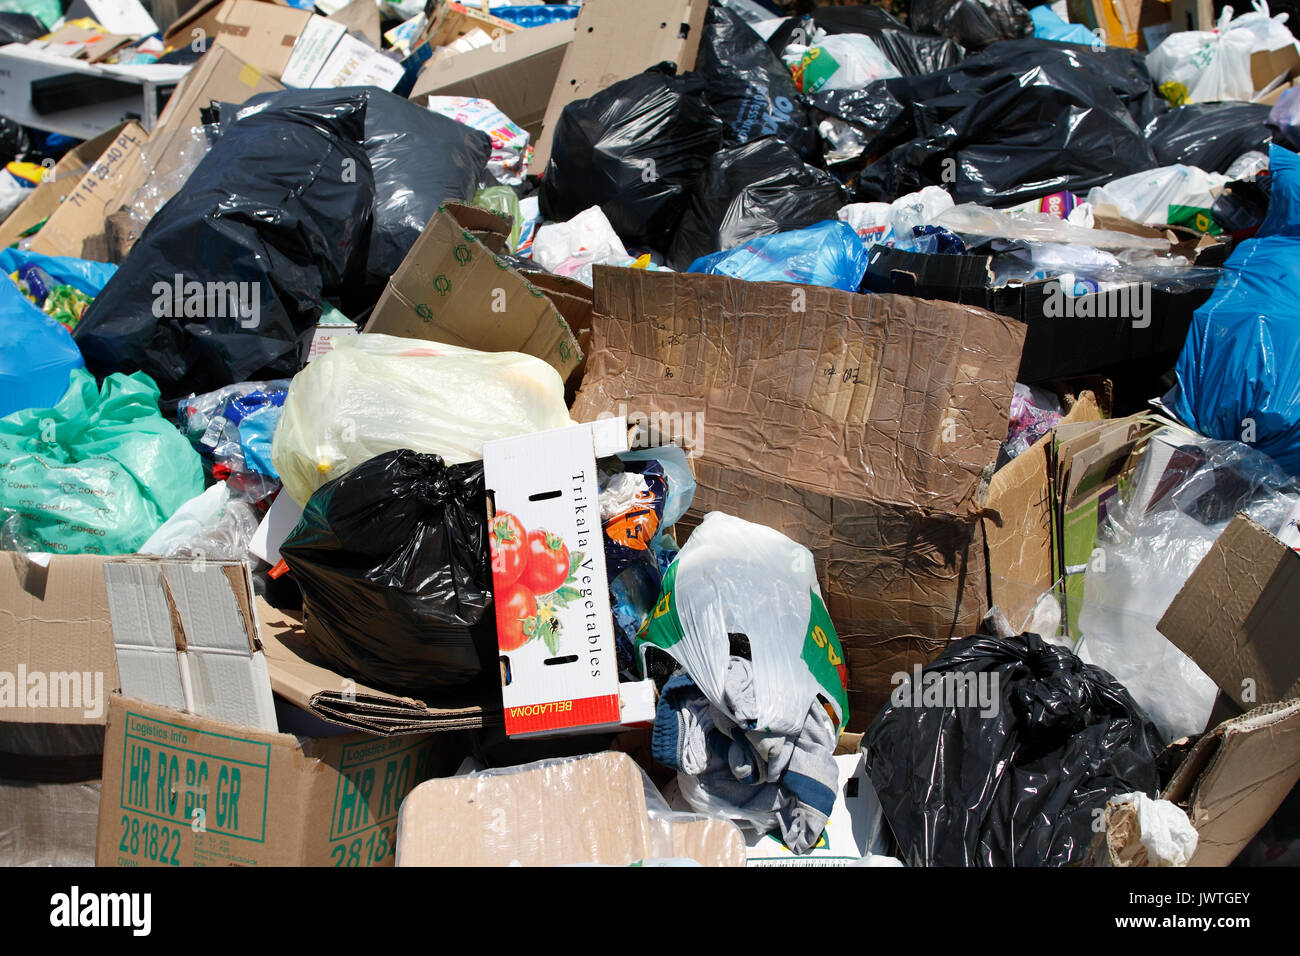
x: 858, y: 425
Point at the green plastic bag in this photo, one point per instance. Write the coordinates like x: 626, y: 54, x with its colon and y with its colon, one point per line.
x: 98, y: 472
x: 502, y: 199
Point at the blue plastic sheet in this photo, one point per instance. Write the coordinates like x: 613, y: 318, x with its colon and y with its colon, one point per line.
x: 1048, y: 26
x: 829, y: 253
x: 37, y: 354
x: 89, y: 277
x: 1239, y: 371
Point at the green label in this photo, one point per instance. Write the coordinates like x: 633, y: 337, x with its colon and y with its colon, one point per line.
x: 1195, y: 217
x: 824, y: 655
x: 374, y: 777
x: 663, y: 628
x: 818, y: 67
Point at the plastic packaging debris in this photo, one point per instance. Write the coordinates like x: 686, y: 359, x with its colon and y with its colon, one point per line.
x: 1198, y: 66
x: 1248, y: 166
x: 392, y: 559
x: 1163, y: 830
x: 635, y: 149
x: 376, y: 393
x: 969, y: 219
x: 750, y: 191
x: 232, y: 429
x: 98, y: 472
x: 182, y: 155
x: 751, y: 717
x: 1239, y: 371
x: 1183, y: 493
x: 227, y: 278
x: 214, y: 525
x: 1284, y: 117
x: 1172, y: 195
x: 999, y: 752
x: 972, y: 23
x: 510, y: 149
x: 1034, y: 412
x: 503, y: 200
x: 748, y: 86
x: 911, y: 53
x: 1209, y: 136
x: 586, y: 239
x: 1048, y: 26
x: 845, y: 62
x: 829, y: 254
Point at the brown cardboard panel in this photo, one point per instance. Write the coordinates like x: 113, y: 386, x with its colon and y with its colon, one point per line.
x: 261, y: 34
x: 181, y: 790
x: 300, y: 676
x: 451, y: 20
x: 1236, y: 615
x: 616, y: 39
x: 1267, y: 66
x: 1191, y: 15
x: 54, y: 622
x: 860, y: 426
x: 362, y: 18
x: 76, y: 228
x: 452, y: 288
x: 1236, y: 776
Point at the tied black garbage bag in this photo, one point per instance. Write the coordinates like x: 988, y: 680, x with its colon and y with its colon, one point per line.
x: 1209, y: 135
x: 911, y: 53
x: 749, y: 87
x: 1019, y: 121
x: 973, y: 23
x: 754, y: 190
x: 392, y: 559
x: 1017, y: 788
x: 226, y: 281
x: 634, y: 149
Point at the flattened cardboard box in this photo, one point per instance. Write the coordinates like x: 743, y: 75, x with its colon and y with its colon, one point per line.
x: 452, y: 288
x: 181, y: 790
x: 57, y: 662
x: 1237, y: 615
x: 260, y: 34
x: 860, y: 426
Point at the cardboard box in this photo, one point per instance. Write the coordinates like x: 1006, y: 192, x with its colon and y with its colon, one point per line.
x: 187, y: 638
x: 1272, y: 69
x: 128, y: 17
x: 326, y: 55
x: 1191, y: 15
x: 1236, y: 615
x: 183, y: 790
x: 261, y: 34
x: 1236, y: 776
x: 613, y: 41
x: 564, y: 679
x: 516, y: 73
x: 588, y: 809
x: 76, y: 228
x: 860, y: 426
x: 452, y: 288
x: 57, y: 663
x: 300, y: 676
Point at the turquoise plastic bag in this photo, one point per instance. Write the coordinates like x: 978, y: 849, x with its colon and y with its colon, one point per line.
x: 829, y: 253
x: 97, y: 473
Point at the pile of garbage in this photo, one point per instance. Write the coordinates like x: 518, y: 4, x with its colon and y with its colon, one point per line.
x: 810, y: 436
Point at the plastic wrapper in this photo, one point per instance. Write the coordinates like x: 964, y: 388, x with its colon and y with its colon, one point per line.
x: 1009, y: 768
x: 829, y: 254
x: 503, y: 200
x: 845, y: 62
x: 183, y: 154
x: 232, y: 426
x: 212, y: 525
x: 1239, y: 371
x: 965, y: 128
x: 586, y: 239
x: 98, y: 472
x: 1184, y: 491
x: 1170, y: 195
x: 595, y: 809
x: 972, y: 23
x: 392, y: 559
x: 754, y: 190
x: 911, y: 53
x: 510, y: 150
x: 1034, y: 412
x: 48, y: 824
x: 747, y: 85
x: 760, y: 665
x: 1141, y: 831
x: 635, y: 149
x: 277, y: 214
x: 969, y: 219
x: 376, y: 393
x: 1209, y: 136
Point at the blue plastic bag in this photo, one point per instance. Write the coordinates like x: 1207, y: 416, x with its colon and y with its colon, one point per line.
x: 89, y: 277
x: 829, y: 253
x: 1048, y: 26
x: 37, y: 354
x: 1239, y: 371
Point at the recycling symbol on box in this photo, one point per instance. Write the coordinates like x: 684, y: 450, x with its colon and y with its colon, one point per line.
x: 441, y: 284
x: 462, y: 254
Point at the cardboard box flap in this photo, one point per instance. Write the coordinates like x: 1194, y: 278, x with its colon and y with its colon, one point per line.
x: 1236, y: 614
x: 1236, y: 776
x: 300, y: 675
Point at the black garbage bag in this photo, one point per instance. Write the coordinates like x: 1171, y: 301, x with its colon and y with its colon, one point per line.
x: 15, y: 140
x: 1021, y: 120
x: 972, y: 23
x: 20, y: 27
x: 635, y: 149
x: 749, y: 87
x: 419, y: 160
x: 753, y: 190
x: 225, y: 283
x: 1209, y: 135
x: 911, y: 53
x: 392, y: 559
x: 1019, y: 787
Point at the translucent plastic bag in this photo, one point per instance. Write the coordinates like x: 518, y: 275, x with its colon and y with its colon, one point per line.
x: 98, y: 472
x: 829, y: 254
x: 847, y: 61
x: 1184, y: 491
x: 212, y: 525
x: 1197, y: 66
x: 377, y: 393
x: 1171, y: 195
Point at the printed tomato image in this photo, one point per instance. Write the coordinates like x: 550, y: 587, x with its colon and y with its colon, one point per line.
x: 548, y: 563
x: 515, y: 608
x: 509, y: 543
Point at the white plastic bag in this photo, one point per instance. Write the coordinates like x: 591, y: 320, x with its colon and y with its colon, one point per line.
x: 845, y: 61
x: 586, y: 238
x: 1147, y: 196
x: 1202, y: 66
x: 377, y: 393
x: 211, y: 525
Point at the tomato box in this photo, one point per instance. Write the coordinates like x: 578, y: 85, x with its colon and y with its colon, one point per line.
x: 554, y: 629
